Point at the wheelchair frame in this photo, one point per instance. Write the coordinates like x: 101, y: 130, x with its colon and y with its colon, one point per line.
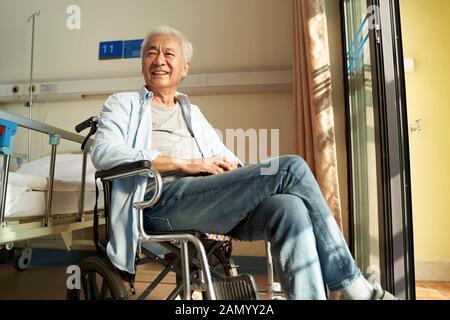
x: 170, y: 239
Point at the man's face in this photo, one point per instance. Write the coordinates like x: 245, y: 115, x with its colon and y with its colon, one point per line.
x: 163, y: 63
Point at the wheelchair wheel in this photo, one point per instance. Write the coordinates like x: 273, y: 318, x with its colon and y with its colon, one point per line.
x: 220, y: 263
x: 98, y: 281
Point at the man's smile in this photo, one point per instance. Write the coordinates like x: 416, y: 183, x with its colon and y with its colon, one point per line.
x: 160, y: 72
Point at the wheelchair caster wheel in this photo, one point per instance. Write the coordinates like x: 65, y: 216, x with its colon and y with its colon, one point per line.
x: 23, y: 261
x: 98, y: 281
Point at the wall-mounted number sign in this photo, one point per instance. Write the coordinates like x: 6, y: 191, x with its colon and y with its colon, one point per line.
x: 120, y: 49
x: 132, y: 48
x: 110, y: 50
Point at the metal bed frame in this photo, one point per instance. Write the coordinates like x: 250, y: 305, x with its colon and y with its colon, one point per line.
x: 14, y: 230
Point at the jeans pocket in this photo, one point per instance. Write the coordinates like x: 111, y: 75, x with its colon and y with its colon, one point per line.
x: 157, y: 224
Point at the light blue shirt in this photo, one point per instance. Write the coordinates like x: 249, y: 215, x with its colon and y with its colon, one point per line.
x: 125, y: 135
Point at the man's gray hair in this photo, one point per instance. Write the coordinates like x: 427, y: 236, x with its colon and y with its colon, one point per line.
x: 186, y: 45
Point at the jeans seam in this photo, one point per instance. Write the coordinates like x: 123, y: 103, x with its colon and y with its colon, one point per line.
x: 330, y: 243
x: 286, y: 284
x: 165, y: 220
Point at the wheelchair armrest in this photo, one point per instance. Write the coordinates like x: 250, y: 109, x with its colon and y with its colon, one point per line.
x: 125, y: 170
x: 133, y: 169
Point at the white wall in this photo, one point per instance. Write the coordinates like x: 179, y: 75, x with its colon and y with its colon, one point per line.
x: 227, y: 35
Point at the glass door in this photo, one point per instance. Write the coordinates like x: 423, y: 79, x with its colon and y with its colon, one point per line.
x: 361, y: 135
x: 380, y: 210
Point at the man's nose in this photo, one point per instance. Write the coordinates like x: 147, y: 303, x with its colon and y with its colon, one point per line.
x: 160, y: 59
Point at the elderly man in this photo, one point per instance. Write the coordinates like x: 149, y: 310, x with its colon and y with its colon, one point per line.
x: 207, y: 188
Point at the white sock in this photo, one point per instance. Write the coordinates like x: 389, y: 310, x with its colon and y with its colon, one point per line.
x: 360, y: 289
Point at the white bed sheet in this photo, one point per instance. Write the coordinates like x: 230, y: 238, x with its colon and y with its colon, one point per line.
x: 32, y: 203
x: 27, y: 196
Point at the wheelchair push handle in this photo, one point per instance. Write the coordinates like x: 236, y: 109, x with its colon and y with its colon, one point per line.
x: 92, y: 123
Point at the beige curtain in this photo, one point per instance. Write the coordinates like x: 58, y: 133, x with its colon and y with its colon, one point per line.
x: 314, y: 121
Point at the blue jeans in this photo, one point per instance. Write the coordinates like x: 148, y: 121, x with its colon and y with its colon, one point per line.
x: 286, y: 208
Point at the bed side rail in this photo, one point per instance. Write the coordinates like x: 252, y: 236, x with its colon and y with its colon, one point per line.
x: 41, y: 127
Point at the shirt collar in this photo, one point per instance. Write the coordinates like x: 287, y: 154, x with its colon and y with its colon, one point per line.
x: 146, y: 95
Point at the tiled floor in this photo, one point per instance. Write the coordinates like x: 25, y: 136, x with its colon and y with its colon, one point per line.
x: 50, y: 283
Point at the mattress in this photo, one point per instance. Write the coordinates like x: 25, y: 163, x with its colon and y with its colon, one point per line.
x: 27, y: 188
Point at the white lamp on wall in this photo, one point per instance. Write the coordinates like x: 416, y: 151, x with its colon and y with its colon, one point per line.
x: 409, y: 64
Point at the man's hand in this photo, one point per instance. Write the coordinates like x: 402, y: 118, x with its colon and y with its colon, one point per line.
x: 213, y: 165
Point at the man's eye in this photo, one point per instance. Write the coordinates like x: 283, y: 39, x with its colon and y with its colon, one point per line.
x: 151, y: 53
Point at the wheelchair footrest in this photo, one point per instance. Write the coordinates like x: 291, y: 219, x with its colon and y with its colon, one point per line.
x: 241, y: 287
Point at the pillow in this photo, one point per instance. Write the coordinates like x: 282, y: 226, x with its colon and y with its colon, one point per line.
x: 27, y: 181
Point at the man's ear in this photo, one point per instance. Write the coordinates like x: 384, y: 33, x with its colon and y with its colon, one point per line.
x: 186, y: 68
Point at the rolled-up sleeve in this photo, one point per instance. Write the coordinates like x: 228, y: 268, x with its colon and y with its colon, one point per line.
x: 110, y: 147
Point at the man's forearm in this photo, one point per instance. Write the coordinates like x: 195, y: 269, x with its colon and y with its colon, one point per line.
x: 212, y: 165
x: 167, y: 164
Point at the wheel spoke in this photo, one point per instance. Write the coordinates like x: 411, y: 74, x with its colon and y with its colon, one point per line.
x: 91, y: 293
x: 91, y: 286
x: 214, y: 265
x: 86, y: 289
x: 95, y: 290
x: 217, y: 267
x: 104, y: 291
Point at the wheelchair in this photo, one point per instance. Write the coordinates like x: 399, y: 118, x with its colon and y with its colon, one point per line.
x: 202, y: 262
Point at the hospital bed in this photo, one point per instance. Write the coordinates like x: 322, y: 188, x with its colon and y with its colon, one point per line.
x: 54, y: 195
